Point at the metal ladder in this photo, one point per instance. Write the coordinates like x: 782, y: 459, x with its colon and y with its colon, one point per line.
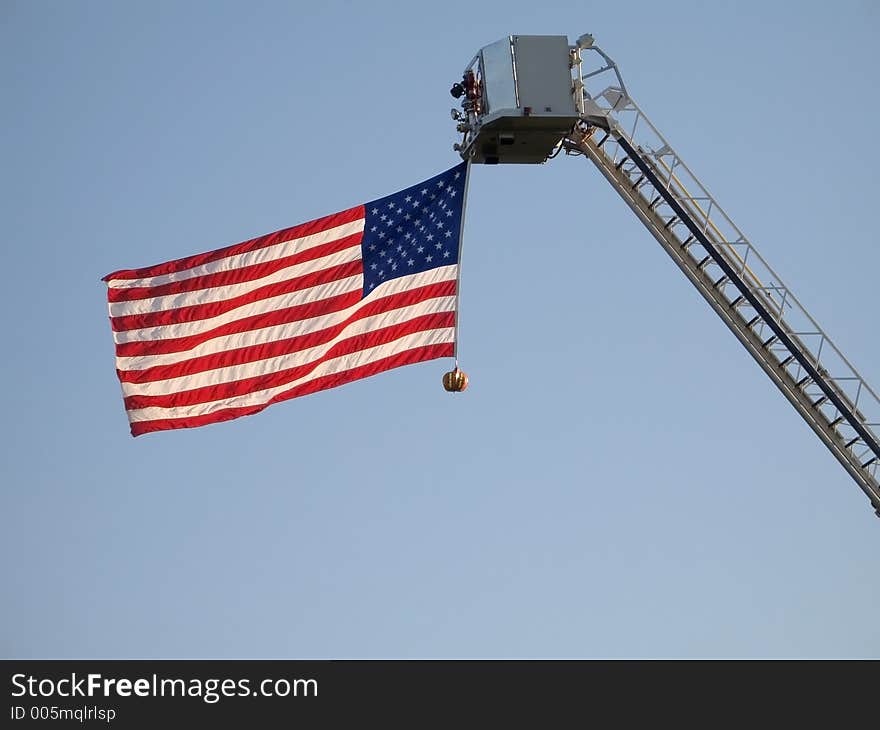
x: 722, y: 264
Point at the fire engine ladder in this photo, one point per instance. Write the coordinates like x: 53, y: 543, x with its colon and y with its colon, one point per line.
x: 724, y: 266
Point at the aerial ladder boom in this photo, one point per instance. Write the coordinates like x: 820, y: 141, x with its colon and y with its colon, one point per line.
x: 611, y: 130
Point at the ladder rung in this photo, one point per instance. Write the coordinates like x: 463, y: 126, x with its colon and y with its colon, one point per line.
x: 687, y: 242
x: 638, y: 182
x: 752, y: 321
x: 671, y: 221
x: 620, y: 164
x: 736, y: 302
x: 820, y: 401
x: 869, y: 462
x: 836, y: 421
x: 703, y: 262
x: 787, y: 360
x: 603, y: 140
x: 803, y: 380
x: 769, y: 341
x: 721, y: 281
x: 655, y: 202
x: 852, y: 441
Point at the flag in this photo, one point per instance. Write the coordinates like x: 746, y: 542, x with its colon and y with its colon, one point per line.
x: 227, y: 333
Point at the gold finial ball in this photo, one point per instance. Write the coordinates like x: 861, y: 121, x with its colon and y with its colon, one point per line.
x: 455, y: 381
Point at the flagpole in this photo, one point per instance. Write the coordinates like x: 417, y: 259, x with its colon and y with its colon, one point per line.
x: 467, y: 178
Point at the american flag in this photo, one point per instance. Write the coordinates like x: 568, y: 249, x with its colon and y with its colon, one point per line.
x: 225, y: 334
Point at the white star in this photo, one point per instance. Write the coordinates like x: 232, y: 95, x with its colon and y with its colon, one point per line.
x: 373, y: 228
x: 448, y: 212
x: 389, y: 222
x: 457, y: 174
x: 433, y: 197
x: 408, y: 198
x: 375, y: 210
x: 420, y: 249
x: 399, y: 229
x: 429, y: 259
x: 399, y: 249
x: 430, y: 236
x: 394, y: 267
x: 410, y: 262
x: 439, y: 183
x: 382, y: 273
x: 384, y: 217
x: 424, y: 191
x: 416, y: 204
x: 372, y: 247
x: 451, y: 193
x: 439, y: 224
x: 381, y: 234
x: 373, y: 266
x: 439, y: 245
x: 407, y: 236
x: 407, y: 217
x: 448, y: 234
x: 391, y: 205
x: 382, y: 253
x: 446, y: 254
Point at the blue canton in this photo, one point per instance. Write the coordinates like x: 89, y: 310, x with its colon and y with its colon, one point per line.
x: 414, y: 230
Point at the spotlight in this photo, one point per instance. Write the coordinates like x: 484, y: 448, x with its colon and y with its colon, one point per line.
x: 457, y: 90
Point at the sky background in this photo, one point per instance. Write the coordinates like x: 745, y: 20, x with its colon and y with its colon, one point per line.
x: 620, y: 479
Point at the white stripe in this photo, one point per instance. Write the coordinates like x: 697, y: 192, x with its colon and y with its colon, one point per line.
x: 230, y: 291
x: 307, y: 356
x: 261, y: 255
x: 282, y: 301
x: 313, y: 294
x: 329, y: 367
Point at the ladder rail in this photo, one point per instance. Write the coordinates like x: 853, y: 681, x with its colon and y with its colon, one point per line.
x: 744, y: 290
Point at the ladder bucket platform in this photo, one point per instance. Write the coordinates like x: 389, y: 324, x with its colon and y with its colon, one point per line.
x: 517, y: 99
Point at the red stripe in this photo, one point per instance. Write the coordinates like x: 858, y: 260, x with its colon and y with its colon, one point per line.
x: 264, y: 350
x: 197, y: 312
x: 209, y: 393
x: 233, y: 276
x: 408, y: 357
x: 280, y: 316
x: 286, y: 234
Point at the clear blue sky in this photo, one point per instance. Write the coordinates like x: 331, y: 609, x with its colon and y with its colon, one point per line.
x: 620, y: 480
